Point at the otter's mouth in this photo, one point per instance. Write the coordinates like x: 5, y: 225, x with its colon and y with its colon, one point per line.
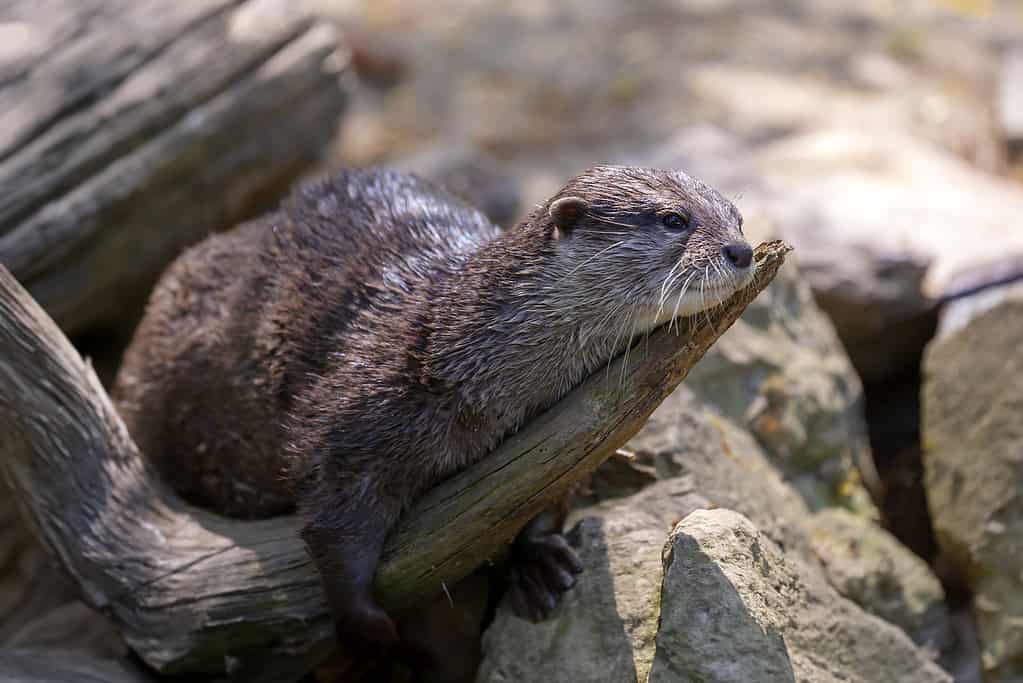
x: 697, y: 297
x: 724, y: 287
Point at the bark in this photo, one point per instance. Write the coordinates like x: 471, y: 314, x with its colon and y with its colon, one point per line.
x: 129, y: 130
x: 194, y: 592
x: 36, y: 666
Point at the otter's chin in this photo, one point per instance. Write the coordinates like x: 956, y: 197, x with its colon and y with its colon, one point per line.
x: 695, y: 300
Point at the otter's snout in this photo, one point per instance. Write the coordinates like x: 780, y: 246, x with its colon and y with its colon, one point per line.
x: 739, y: 254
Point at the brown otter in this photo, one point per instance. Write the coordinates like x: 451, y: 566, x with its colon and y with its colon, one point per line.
x: 375, y: 335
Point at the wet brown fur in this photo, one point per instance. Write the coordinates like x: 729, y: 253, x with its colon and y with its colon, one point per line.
x: 375, y: 335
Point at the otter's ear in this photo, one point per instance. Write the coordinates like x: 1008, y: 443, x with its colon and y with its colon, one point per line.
x: 566, y: 214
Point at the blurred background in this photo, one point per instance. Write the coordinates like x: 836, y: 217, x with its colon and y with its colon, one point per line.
x: 882, y: 139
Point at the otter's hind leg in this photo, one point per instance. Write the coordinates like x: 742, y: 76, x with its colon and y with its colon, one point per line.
x: 344, y: 537
x: 543, y: 565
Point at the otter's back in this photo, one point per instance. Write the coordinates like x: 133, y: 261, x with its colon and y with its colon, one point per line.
x: 241, y: 323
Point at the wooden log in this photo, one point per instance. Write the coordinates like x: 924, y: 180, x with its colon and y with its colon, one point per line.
x: 194, y: 592
x: 70, y: 627
x: 129, y: 130
x: 46, y: 666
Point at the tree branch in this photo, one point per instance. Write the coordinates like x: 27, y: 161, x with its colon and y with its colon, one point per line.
x: 149, y: 126
x: 43, y: 666
x: 195, y: 592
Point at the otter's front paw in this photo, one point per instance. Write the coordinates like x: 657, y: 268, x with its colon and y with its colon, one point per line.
x: 543, y: 567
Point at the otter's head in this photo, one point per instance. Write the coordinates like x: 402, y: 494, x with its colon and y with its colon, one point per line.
x: 651, y: 244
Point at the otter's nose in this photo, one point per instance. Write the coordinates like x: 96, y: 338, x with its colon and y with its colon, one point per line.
x: 739, y: 254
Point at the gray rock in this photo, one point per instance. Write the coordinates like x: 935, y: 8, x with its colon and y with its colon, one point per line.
x: 604, y: 629
x: 972, y: 291
x: 870, y: 567
x: 782, y: 373
x: 973, y: 465
x: 735, y: 608
x: 700, y: 459
x: 848, y: 198
x: 876, y: 219
x: 687, y: 458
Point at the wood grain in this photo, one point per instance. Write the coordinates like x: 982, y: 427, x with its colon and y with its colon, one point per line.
x: 45, y: 666
x: 129, y: 130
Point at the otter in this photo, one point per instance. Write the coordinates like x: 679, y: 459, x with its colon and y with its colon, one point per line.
x: 375, y: 335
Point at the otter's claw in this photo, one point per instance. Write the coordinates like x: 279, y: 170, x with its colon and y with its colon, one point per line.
x: 543, y: 568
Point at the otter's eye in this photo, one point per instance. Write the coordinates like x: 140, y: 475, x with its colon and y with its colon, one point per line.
x: 675, y: 221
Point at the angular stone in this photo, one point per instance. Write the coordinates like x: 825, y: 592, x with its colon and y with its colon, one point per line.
x: 973, y: 465
x: 687, y: 458
x: 869, y: 566
x: 700, y: 459
x: 604, y: 629
x: 735, y: 608
x: 877, y: 220
x: 782, y: 373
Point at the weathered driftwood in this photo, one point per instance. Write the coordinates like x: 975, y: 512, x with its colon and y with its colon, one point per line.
x: 130, y: 129
x: 46, y: 666
x: 196, y: 592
